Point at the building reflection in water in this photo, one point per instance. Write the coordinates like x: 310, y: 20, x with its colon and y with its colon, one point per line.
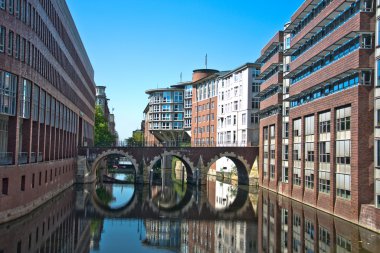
x: 69, y: 224
x: 290, y: 226
x: 53, y: 227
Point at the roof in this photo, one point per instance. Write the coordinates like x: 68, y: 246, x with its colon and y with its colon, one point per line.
x: 244, y: 66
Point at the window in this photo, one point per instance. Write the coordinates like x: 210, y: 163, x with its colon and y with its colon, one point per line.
x: 8, y: 89
x: 296, y: 176
x: 255, y: 87
x: 22, y: 183
x: 309, y: 151
x: 272, y: 152
x: 10, y: 43
x: 25, y: 99
x: 272, y: 132
x: 244, y: 119
x: 324, y: 122
x: 17, y: 50
x: 255, y: 118
x: 11, y: 6
x: 285, y: 152
x: 167, y: 97
x: 272, y: 171
x: 343, y: 185
x: 378, y: 69
x: 42, y: 106
x: 285, y: 174
x: 166, y: 108
x: 255, y: 103
x: 309, y: 179
x: 309, y: 125
x: 178, y: 107
x: 343, y: 119
x: 342, y: 244
x: 324, y: 181
x: 343, y: 151
x: 2, y: 4
x: 297, y: 151
x: 36, y: 94
x: 287, y: 43
x: 377, y: 148
x: 2, y: 38
x: 324, y: 152
x: 17, y: 9
x: 286, y: 130
x: 178, y: 97
x: 266, y: 133
x: 297, y: 128
x: 4, y: 187
x: 236, y: 106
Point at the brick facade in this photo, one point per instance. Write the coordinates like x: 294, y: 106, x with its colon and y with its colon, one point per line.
x: 54, y: 99
x: 346, y: 81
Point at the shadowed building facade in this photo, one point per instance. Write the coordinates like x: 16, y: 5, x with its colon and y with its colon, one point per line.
x: 47, y: 98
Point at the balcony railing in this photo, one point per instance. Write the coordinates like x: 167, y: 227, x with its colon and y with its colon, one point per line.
x: 23, y: 157
x: 33, y: 157
x: 40, y: 158
x: 6, y: 158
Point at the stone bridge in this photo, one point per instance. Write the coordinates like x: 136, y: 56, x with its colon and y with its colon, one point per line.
x: 197, y: 161
x: 194, y: 206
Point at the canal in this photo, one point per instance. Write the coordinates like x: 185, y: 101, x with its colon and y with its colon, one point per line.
x: 218, y: 217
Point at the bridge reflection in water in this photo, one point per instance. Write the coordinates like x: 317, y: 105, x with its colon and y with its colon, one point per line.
x: 143, y: 220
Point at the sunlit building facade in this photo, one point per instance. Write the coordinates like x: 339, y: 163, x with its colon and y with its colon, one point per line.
x: 327, y: 109
x: 166, y: 116
x: 238, y: 107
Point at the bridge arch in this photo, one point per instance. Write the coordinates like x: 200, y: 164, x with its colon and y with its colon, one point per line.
x: 189, y: 166
x: 107, y: 211
x: 242, y: 166
x: 109, y: 152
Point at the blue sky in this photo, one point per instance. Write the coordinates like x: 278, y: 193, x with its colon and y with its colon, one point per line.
x: 135, y: 45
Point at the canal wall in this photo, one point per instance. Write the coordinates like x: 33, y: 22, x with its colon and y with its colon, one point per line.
x: 32, y: 185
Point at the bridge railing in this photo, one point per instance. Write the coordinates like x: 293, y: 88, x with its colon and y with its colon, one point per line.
x: 177, y: 144
x: 151, y: 144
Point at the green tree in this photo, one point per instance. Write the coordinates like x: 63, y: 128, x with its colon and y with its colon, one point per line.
x: 103, y: 136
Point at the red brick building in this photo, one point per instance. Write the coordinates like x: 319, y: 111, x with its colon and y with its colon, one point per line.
x: 204, y: 111
x: 270, y: 111
x: 47, y: 102
x: 325, y: 123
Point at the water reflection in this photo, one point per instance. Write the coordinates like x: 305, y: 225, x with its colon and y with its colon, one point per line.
x: 264, y: 222
x: 115, y: 196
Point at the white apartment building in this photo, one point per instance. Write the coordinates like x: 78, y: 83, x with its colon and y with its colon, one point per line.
x: 238, y: 107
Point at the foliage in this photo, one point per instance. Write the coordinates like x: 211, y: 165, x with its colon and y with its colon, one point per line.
x: 103, y: 136
x: 104, y: 195
x: 137, y: 139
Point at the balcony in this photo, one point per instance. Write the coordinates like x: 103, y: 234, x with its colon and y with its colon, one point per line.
x: 275, y: 59
x: 23, y: 157
x: 359, y: 59
x: 6, y: 158
x: 326, y: 29
x: 275, y: 79
x: 276, y: 99
x: 329, y: 13
x: 336, y: 38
